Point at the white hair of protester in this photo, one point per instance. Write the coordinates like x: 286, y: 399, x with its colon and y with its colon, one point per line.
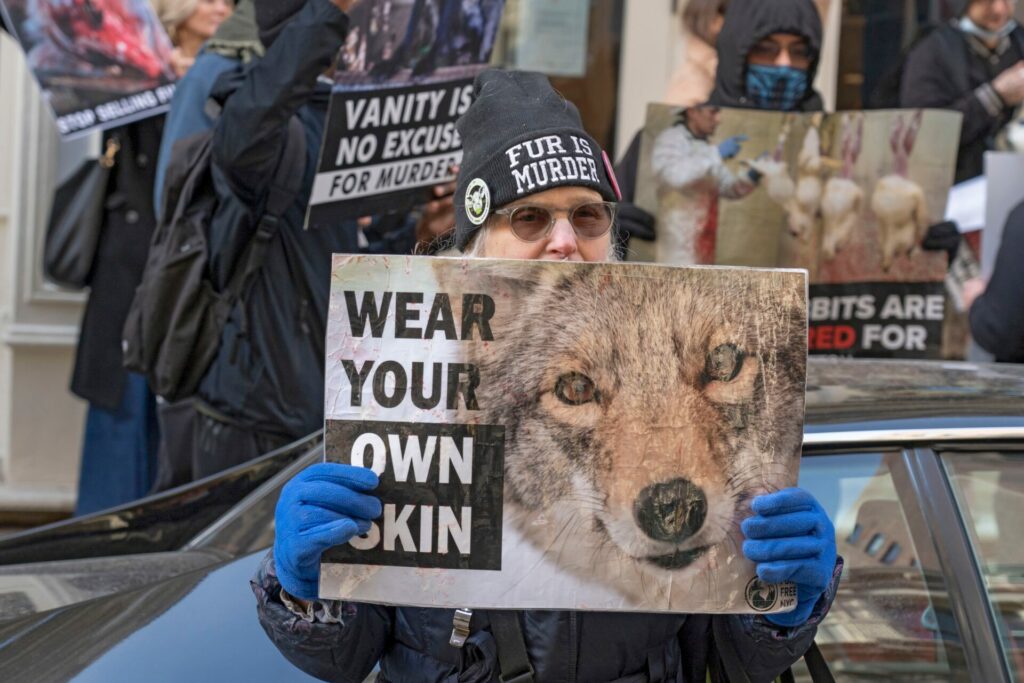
x: 173, y: 13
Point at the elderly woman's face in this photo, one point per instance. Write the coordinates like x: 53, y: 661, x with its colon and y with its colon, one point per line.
x: 209, y: 15
x: 561, y: 242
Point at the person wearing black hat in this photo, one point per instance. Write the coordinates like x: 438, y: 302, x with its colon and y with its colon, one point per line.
x: 533, y: 185
x: 972, y: 65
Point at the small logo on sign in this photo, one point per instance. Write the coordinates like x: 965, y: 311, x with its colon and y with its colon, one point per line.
x: 762, y: 596
x: 478, y: 201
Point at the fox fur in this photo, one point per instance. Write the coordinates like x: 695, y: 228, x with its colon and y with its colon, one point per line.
x: 659, y: 401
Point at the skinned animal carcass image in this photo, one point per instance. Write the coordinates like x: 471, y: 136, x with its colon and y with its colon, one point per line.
x: 897, y: 201
x: 843, y: 198
x: 95, y: 39
x: 99, y: 63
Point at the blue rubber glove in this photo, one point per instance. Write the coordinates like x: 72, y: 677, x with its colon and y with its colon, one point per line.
x: 320, y: 508
x: 791, y: 539
x: 731, y: 147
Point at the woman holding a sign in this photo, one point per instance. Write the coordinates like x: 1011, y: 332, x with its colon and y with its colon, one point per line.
x: 536, y: 186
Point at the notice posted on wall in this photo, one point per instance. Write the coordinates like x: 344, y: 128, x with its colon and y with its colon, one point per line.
x: 405, y: 76
x: 515, y: 413
x: 99, y: 64
x: 848, y: 196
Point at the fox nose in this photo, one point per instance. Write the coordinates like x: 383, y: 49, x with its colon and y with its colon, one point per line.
x: 671, y: 511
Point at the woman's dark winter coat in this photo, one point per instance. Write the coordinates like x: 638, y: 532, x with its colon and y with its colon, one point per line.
x: 997, y: 317
x: 412, y: 645
x: 128, y: 225
x: 943, y: 72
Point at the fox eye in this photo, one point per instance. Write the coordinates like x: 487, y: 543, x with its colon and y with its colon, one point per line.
x: 724, y: 363
x: 576, y: 389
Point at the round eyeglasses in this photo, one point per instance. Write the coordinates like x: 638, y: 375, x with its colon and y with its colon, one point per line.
x: 533, y: 223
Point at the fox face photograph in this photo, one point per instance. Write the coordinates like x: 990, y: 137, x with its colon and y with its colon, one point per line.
x: 628, y: 459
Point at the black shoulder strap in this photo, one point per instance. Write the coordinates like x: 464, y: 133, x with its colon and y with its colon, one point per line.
x: 512, y: 658
x: 817, y: 665
x: 729, y: 660
x: 284, y: 189
x: 726, y: 653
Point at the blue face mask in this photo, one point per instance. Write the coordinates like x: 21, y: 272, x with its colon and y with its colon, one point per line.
x: 776, y: 87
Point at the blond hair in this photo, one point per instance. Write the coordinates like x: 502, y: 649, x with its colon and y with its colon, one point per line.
x: 173, y: 13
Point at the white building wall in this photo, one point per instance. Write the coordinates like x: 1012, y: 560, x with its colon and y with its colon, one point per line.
x: 40, y: 421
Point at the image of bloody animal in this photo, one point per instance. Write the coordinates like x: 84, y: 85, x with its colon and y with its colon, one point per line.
x: 843, y: 198
x: 898, y: 202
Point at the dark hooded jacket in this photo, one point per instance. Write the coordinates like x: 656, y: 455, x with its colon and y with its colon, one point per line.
x: 747, y: 22
x: 346, y: 640
x: 268, y: 374
x: 946, y: 71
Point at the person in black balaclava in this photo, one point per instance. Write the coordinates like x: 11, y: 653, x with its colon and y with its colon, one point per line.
x: 768, y: 53
x: 971, y: 65
x: 768, y: 56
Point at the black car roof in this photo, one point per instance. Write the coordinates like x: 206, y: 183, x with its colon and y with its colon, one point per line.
x: 844, y: 395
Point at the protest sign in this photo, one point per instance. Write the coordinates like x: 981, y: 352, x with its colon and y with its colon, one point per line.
x: 848, y: 196
x: 100, y: 63
x: 406, y: 75
x: 1003, y: 173
x: 562, y: 436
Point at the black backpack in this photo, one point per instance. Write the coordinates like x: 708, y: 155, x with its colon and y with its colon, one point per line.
x: 173, y: 330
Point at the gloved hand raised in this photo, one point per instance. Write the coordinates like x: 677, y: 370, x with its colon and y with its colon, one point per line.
x: 731, y: 147
x: 320, y: 508
x: 791, y: 539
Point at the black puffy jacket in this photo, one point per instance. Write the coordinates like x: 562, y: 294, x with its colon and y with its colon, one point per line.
x: 411, y: 644
x: 268, y: 374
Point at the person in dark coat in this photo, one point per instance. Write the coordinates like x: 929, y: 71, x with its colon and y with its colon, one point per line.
x: 996, y: 308
x: 972, y: 65
x: 768, y: 55
x: 329, y: 503
x: 121, y: 433
x: 264, y: 388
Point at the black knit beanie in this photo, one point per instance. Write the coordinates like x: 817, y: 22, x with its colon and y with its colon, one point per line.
x: 520, y: 137
x: 272, y: 15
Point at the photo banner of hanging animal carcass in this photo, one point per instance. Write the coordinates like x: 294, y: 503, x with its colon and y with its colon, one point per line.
x: 562, y: 435
x: 405, y: 76
x: 100, y: 63
x: 849, y: 197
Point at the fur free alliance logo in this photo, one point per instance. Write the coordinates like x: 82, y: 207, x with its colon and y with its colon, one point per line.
x: 478, y: 201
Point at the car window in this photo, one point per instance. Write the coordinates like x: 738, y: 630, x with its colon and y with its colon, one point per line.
x: 891, y: 620
x: 989, y: 489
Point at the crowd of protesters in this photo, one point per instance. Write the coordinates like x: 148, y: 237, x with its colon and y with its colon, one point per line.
x: 253, y: 72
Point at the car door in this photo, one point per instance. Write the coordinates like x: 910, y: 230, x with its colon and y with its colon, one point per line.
x: 988, y: 486
x: 894, y: 617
